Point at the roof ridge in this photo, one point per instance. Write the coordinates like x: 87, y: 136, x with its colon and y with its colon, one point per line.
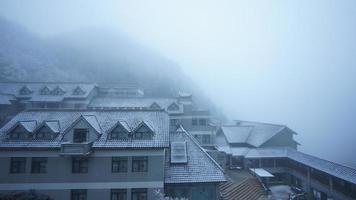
x: 198, y: 145
x: 49, y: 82
x: 265, y: 123
x: 95, y: 109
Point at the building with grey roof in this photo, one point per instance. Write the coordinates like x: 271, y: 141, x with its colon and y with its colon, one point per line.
x: 102, y: 154
x: 253, y: 145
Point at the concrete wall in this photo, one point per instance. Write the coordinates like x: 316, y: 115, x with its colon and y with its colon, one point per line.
x: 59, y: 179
x: 195, y: 191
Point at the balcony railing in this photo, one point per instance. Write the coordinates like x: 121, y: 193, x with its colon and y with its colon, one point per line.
x: 75, y: 149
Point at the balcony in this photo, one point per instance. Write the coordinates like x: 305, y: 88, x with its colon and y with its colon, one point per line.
x: 76, y: 149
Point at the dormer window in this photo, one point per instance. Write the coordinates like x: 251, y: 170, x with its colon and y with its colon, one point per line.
x: 22, y: 130
x: 47, y: 131
x: 25, y: 91
x: 58, y: 91
x: 155, y: 106
x: 78, y: 91
x: 173, y: 107
x: 18, y: 133
x: 80, y: 135
x: 45, y: 91
x: 119, y: 134
x: 143, y: 132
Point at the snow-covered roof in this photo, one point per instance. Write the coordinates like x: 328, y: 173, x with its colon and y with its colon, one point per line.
x: 200, y: 167
x: 101, y: 120
x: 334, y: 169
x: 237, y: 134
x: 5, y: 99
x: 14, y: 88
x: 252, y: 133
x: 261, y: 172
x: 116, y: 102
x: 28, y: 125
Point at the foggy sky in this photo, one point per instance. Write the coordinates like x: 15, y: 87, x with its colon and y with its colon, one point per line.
x: 285, y: 62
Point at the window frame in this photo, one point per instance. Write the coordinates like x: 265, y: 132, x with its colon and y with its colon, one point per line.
x: 118, y: 192
x: 138, y: 192
x: 39, y: 165
x: 78, y: 131
x: 139, y: 161
x: 118, y: 160
x: 204, y: 139
x: 80, y: 165
x: 203, y: 122
x: 78, y: 192
x: 195, y: 122
x: 21, y: 165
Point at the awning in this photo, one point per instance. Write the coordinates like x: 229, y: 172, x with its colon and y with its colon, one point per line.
x: 261, y: 172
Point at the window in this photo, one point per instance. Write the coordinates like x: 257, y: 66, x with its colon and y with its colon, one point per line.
x: 79, y: 165
x: 78, y: 91
x: 39, y: 165
x: 202, y: 122
x: 173, y: 107
x: 18, y: 133
x: 139, y: 194
x: 206, y: 139
x: 195, y: 122
x: 25, y: 91
x: 18, y: 165
x: 119, y: 134
x: 174, y: 122
x: 140, y: 164
x: 44, y: 134
x: 45, y: 91
x: 143, y: 133
x: 58, y: 91
x: 118, y: 194
x: 119, y: 164
x: 78, y: 195
x: 179, y: 152
x: 80, y: 135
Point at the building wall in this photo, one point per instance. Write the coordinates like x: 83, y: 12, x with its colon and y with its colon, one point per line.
x: 59, y: 179
x: 196, y: 191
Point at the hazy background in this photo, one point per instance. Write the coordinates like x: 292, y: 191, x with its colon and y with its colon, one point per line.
x: 286, y: 62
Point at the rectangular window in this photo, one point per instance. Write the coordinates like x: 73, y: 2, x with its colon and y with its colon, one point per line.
x: 78, y: 195
x: 39, y: 165
x: 79, y: 165
x: 206, y: 139
x: 80, y: 135
x: 174, y: 122
x: 118, y: 194
x: 140, y: 164
x: 119, y: 164
x: 18, y: 165
x: 195, y: 122
x: 202, y: 122
x: 139, y: 194
x: 121, y: 135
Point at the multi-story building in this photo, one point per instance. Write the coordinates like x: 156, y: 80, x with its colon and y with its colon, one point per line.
x: 103, y: 154
x: 18, y: 96
x: 271, y: 148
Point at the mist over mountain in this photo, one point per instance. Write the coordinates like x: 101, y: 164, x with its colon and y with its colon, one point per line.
x: 90, y: 55
x: 23, y: 56
x: 85, y: 55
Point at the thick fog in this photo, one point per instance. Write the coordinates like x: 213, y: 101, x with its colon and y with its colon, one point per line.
x: 284, y: 62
